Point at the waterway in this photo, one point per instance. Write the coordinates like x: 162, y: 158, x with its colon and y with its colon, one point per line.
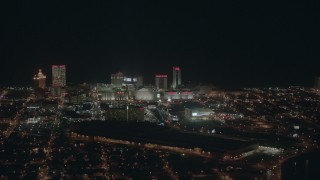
x: 304, y: 166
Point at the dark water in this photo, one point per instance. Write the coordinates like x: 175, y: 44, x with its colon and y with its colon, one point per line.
x: 305, y: 166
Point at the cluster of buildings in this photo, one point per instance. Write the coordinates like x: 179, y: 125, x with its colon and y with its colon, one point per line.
x: 57, y: 88
x: 125, y: 88
x: 122, y: 87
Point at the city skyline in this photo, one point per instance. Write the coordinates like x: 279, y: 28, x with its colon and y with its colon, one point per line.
x: 160, y: 90
x: 150, y: 79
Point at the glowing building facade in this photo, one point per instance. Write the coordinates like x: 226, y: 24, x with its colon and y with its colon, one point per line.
x: 40, y: 80
x: 178, y: 95
x: 117, y: 79
x: 198, y: 113
x: 109, y: 93
x: 176, y: 77
x: 58, y: 75
x: 145, y: 94
x: 161, y: 81
x: 139, y: 81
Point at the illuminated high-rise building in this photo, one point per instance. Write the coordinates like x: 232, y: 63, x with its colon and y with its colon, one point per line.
x: 161, y: 81
x: 117, y: 79
x: 40, y: 80
x: 127, y: 81
x: 139, y: 82
x: 176, y: 77
x: 58, y: 75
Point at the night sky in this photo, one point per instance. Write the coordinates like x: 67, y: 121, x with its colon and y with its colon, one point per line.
x: 228, y: 44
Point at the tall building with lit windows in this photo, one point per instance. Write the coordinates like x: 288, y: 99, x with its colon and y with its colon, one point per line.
x: 40, y: 80
x: 58, y: 75
x: 117, y: 79
x: 161, y: 81
x: 176, y: 77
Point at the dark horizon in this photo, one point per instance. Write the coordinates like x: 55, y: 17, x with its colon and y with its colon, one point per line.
x: 227, y: 44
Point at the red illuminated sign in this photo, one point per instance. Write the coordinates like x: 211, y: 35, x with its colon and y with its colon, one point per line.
x: 60, y: 66
x: 161, y: 76
x: 176, y: 68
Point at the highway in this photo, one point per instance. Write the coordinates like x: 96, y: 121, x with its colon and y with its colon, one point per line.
x: 195, y: 151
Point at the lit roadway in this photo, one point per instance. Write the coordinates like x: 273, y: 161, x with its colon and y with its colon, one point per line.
x: 44, y: 170
x: 167, y: 168
x: 13, y: 123
x: 195, y: 151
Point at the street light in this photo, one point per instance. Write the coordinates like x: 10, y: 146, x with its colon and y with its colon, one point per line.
x: 127, y: 113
